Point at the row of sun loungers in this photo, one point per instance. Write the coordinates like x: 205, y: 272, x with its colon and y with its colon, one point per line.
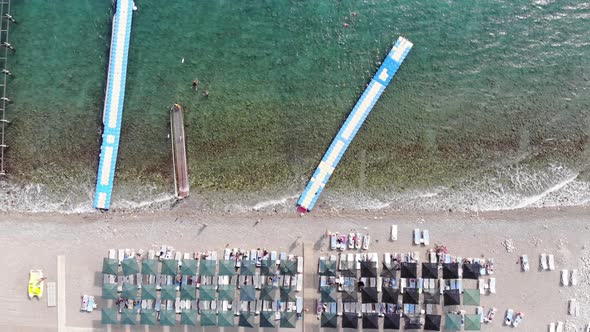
x: 569, y: 279
x: 352, y: 241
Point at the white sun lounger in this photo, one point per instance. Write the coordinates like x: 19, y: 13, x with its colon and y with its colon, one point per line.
x: 299, y: 287
x: 493, y: 285
x: 481, y: 285
x: 565, y: 279
x: 559, y: 327
x: 574, y: 277
x: 358, y: 258
x: 425, y: 237
x: 524, y: 259
x: 299, y: 264
x: 366, y: 241
x: 551, y: 327
x: 393, y: 232
x: 551, y: 262
x: 571, y: 308
x: 51, y: 294
x: 416, y: 236
x: 543, y: 262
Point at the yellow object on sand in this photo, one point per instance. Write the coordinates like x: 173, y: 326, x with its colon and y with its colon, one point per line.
x: 36, y: 284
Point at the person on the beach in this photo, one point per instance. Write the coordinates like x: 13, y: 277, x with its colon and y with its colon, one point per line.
x: 10, y: 18
x: 8, y: 45
x: 196, y: 85
x: 206, y: 93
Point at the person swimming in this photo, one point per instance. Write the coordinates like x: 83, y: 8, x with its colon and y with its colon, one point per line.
x: 196, y: 85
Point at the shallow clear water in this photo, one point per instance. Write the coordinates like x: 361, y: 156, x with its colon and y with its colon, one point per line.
x: 489, y: 110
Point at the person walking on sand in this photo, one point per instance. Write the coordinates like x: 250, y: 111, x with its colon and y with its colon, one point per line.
x: 196, y: 85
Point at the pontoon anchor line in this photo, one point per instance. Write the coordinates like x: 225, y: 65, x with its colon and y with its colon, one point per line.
x: 5, y: 20
x: 354, y: 121
x: 113, y: 104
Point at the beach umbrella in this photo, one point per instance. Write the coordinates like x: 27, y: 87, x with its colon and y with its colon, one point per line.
x: 287, y: 294
x: 370, y: 321
x: 189, y: 267
x: 169, y: 267
x: 288, y: 267
x: 248, y: 268
x: 129, y: 291
x: 450, y: 270
x: 453, y: 322
x: 430, y: 270
x: 288, y: 319
x: 350, y: 320
x: 388, y: 270
x: 472, y: 322
x: 109, y: 292
x: 247, y: 293
x: 208, y: 318
x: 471, y: 297
x: 148, y: 317
x: 148, y: 292
x: 327, y: 268
x: 226, y: 292
x: 188, y: 292
x: 391, y: 321
x: 109, y: 316
x: 349, y: 295
x: 409, y: 270
x: 329, y: 319
x: 369, y: 295
x: 267, y: 319
x: 431, y: 297
x: 268, y: 268
x: 368, y: 269
x: 246, y: 319
x: 207, y: 268
x: 207, y: 293
x: 432, y: 322
x: 225, y: 318
x: 390, y: 295
x: 128, y: 317
x: 167, y: 317
x: 348, y: 269
x: 130, y: 266
x: 452, y: 297
x: 110, y: 266
x: 168, y: 292
x: 268, y: 293
x: 188, y: 317
x: 328, y: 293
x: 411, y: 296
x: 471, y: 270
x: 227, y: 268
x: 149, y: 267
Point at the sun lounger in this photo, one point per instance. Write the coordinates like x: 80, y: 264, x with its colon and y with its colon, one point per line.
x: 565, y: 280
x: 479, y: 311
x: 393, y: 232
x: 299, y: 264
x: 559, y: 327
x: 571, y: 308
x: 543, y: 262
x: 481, y: 285
x: 517, y: 319
x: 574, y: 277
x: 524, y: 260
x: 425, y: 237
x: 417, y: 236
x: 121, y: 255
x: 551, y: 327
x: 493, y: 285
x: 509, y: 317
x: 51, y: 294
x: 366, y: 241
x: 551, y: 262
x: 358, y: 258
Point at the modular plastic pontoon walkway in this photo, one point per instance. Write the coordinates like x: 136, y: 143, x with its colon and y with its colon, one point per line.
x: 113, y: 105
x: 356, y: 118
x: 5, y: 21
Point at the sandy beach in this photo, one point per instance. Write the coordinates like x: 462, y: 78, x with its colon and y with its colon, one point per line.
x: 35, y: 241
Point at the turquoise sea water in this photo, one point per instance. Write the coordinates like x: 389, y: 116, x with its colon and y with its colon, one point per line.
x: 491, y: 109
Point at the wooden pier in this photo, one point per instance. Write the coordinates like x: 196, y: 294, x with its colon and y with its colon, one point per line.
x: 5, y: 21
x: 181, y: 182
